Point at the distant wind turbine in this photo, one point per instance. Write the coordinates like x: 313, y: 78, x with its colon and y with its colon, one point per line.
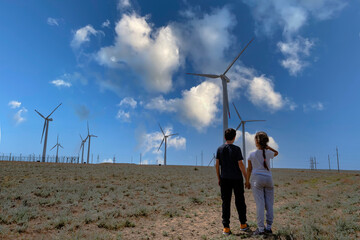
x: 213, y: 158
x: 242, y: 122
x: 83, y: 141
x: 89, y: 136
x: 165, y: 139
x: 225, y: 80
x: 57, y: 145
x: 46, y: 127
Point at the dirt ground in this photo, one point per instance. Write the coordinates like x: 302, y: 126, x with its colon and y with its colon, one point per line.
x: 123, y: 201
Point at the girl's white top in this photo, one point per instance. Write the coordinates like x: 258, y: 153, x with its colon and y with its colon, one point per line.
x: 257, y: 161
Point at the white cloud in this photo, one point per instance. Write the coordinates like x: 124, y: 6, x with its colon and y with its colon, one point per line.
x: 14, y: 104
x: 106, y: 24
x: 261, y: 93
x: 107, y: 160
x: 18, y: 118
x: 198, y: 106
x: 128, y: 101
x: 152, y: 54
x: 52, y: 21
x: 250, y: 142
x: 82, y: 35
x: 290, y: 16
x: 123, y: 4
x: 60, y: 83
x: 317, y: 106
x: 294, y: 51
x: 123, y: 116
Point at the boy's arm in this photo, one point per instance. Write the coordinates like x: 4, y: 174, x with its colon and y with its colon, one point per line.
x: 218, y: 170
x: 249, y: 170
x: 242, y: 168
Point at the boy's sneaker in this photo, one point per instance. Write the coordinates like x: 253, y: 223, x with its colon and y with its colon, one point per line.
x: 258, y: 232
x: 268, y: 231
x: 226, y: 231
x: 244, y: 227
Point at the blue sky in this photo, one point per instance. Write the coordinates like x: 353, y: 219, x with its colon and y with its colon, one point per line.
x: 121, y: 66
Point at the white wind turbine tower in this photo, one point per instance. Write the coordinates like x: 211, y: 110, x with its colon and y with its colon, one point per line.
x: 242, y: 122
x: 83, y: 141
x: 57, y: 145
x: 165, y: 139
x: 224, y: 80
x: 89, y: 136
x: 46, y: 127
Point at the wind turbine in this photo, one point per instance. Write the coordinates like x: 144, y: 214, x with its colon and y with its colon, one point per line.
x: 224, y: 80
x: 46, y: 127
x: 57, y: 145
x: 242, y: 122
x: 89, y: 136
x: 165, y: 138
x: 83, y: 141
x: 213, y: 158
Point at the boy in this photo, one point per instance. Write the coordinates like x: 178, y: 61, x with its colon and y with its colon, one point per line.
x: 229, y: 157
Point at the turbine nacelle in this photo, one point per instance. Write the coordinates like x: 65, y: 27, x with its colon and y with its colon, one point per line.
x: 223, y: 76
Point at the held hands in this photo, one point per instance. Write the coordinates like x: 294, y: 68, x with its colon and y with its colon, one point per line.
x: 247, y: 185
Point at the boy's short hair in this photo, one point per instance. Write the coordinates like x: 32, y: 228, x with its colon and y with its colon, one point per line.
x: 230, y: 134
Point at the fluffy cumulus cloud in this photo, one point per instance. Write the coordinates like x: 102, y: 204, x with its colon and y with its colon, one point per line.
x: 197, y: 106
x: 316, y: 106
x: 14, y: 104
x: 261, y: 93
x: 82, y: 35
x: 128, y: 101
x: 250, y: 142
x: 290, y: 16
x: 60, y: 83
x: 152, y: 54
x: 123, y: 4
x: 294, y: 52
x: 18, y: 117
x: 52, y: 21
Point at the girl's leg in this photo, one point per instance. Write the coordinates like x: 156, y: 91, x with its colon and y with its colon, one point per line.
x: 269, y: 204
x: 258, y: 193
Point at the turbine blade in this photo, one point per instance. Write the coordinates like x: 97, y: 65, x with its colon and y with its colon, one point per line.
x: 204, y: 75
x: 88, y: 127
x: 57, y: 140
x: 173, y: 134
x: 61, y: 146
x: 237, y: 57
x: 238, y: 126
x: 162, y: 130
x: 40, y: 114
x: 43, y: 131
x: 53, y: 147
x: 237, y: 112
x: 161, y: 144
x: 54, y: 110
x: 93, y: 136
x: 81, y: 137
x: 255, y: 121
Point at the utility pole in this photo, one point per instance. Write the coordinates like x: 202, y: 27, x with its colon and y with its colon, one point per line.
x: 140, y: 158
x: 315, y: 163
x: 114, y: 159
x: 202, y: 158
x: 337, y: 156
x: 196, y: 160
x: 329, y: 161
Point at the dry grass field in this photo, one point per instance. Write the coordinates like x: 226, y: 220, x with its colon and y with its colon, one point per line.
x: 118, y: 201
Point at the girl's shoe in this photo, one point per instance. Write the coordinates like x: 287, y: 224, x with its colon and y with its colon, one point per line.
x: 257, y: 232
x: 244, y: 227
x: 268, y: 231
x: 226, y: 231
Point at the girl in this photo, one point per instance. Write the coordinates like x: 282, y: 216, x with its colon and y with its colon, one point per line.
x: 261, y: 181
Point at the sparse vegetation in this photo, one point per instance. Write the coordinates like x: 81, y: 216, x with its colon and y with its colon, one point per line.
x: 64, y: 201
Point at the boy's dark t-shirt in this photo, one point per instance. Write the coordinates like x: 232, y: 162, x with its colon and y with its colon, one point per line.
x: 229, y: 155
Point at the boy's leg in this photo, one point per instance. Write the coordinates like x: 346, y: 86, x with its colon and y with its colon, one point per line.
x: 226, y: 192
x: 240, y: 200
x: 269, y: 204
x: 258, y: 193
